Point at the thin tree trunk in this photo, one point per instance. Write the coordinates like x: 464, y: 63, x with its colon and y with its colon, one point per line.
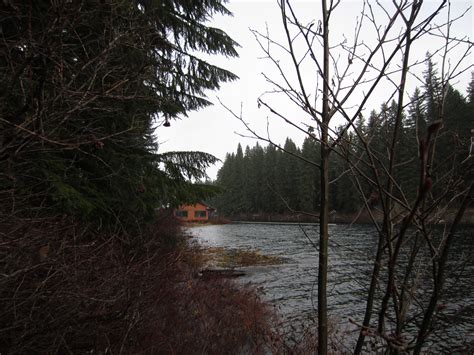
x: 371, y: 296
x: 323, y: 251
x: 324, y: 207
x: 388, y: 222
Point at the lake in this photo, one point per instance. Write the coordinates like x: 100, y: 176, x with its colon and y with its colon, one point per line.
x: 292, y: 286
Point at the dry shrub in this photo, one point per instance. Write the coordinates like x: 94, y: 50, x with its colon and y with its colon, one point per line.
x: 67, y: 289
x: 210, y: 317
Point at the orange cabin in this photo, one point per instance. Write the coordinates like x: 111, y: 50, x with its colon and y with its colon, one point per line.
x: 199, y: 212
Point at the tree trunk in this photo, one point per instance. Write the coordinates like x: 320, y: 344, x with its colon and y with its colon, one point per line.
x: 323, y: 251
x: 324, y: 207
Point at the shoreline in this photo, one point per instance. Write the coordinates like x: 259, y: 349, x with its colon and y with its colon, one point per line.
x: 335, y: 218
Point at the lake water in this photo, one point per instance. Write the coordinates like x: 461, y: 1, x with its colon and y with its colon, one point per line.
x: 292, y: 286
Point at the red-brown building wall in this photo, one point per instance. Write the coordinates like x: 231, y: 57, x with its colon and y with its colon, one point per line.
x: 197, y: 212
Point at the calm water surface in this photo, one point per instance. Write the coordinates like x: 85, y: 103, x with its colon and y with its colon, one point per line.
x: 292, y: 286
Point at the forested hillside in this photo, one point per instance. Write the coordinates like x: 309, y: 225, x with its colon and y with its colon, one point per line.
x: 272, y: 180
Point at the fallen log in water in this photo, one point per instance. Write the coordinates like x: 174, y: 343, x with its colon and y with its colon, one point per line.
x: 221, y: 273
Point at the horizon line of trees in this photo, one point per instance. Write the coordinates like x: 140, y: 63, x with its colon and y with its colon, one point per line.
x: 280, y: 179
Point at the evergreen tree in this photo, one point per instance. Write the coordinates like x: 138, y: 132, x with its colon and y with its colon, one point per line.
x: 454, y: 138
x: 239, y: 182
x: 456, y: 117
x: 343, y: 196
x: 432, y: 92
x: 290, y: 175
x: 257, y: 177
x: 85, y: 84
x: 470, y: 90
x: 272, y: 202
x: 225, y: 201
x: 416, y: 119
x: 247, y: 183
x: 309, y: 185
x: 413, y: 131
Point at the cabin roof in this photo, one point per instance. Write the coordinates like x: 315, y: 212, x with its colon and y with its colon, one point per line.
x: 200, y: 203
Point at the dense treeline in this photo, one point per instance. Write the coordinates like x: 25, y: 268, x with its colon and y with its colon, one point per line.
x: 272, y: 180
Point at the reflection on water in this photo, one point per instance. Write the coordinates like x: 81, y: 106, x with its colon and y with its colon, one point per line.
x: 292, y: 285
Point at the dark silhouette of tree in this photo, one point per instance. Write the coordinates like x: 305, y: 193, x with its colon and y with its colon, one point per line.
x: 86, y: 87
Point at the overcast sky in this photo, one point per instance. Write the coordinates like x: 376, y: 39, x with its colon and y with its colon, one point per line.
x: 214, y: 130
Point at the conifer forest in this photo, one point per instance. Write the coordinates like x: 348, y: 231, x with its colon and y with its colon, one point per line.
x: 282, y: 179
x: 96, y: 259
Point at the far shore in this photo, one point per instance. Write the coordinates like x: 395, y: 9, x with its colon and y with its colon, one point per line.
x: 335, y: 217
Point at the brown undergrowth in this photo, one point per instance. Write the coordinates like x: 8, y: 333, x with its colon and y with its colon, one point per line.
x: 67, y: 289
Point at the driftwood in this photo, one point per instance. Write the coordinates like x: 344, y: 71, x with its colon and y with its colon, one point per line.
x: 208, y: 274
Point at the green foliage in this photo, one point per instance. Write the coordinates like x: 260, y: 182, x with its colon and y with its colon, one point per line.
x: 308, y: 191
x: 85, y: 87
x: 186, y: 165
x: 263, y: 180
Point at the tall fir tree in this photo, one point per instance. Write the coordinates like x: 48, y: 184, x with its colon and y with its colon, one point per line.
x: 432, y: 92
x: 308, y: 189
x: 85, y: 86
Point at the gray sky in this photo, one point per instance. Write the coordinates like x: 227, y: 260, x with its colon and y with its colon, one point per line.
x: 213, y: 129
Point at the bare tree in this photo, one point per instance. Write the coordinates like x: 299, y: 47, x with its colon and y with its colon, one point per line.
x: 335, y: 82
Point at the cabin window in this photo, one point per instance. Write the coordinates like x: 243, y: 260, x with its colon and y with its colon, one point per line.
x: 200, y: 214
x: 182, y: 214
